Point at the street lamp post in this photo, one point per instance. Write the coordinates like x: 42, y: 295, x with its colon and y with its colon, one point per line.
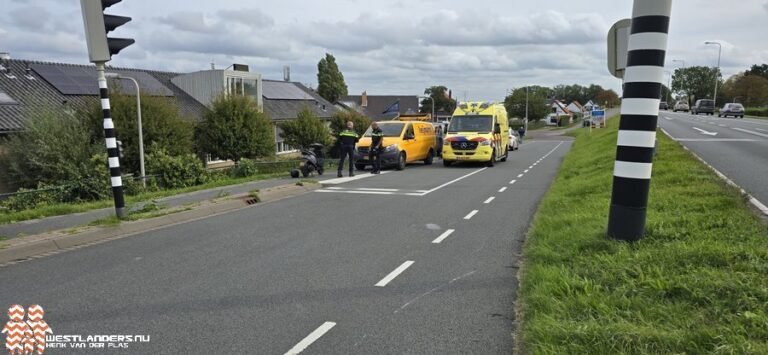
x: 687, y: 96
x: 433, y: 107
x: 141, y: 132
x: 669, y: 88
x: 526, y: 108
x: 717, y: 71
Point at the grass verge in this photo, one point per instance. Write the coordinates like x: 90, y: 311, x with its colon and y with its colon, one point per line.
x: 695, y: 284
x: 69, y: 208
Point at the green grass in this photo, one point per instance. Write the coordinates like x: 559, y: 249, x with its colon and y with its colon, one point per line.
x: 68, y: 208
x: 697, y: 283
x: 254, y: 194
x: 304, y: 182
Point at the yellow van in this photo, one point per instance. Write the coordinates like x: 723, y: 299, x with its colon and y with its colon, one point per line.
x: 477, y: 133
x: 404, y: 142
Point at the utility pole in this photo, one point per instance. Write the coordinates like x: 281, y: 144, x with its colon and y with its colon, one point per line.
x: 643, y: 79
x: 717, y: 71
x: 526, y: 108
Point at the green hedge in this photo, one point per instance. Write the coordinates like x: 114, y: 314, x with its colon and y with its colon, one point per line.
x: 760, y: 112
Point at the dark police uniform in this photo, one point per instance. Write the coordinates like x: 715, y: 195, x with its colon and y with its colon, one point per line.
x: 347, y: 139
x: 374, y: 155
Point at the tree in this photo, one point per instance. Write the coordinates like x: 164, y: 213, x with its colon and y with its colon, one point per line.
x: 56, y: 149
x: 608, y: 98
x: 162, y: 124
x: 537, y: 104
x: 340, y: 119
x: 760, y: 70
x: 305, y: 130
x: 235, y: 128
x: 330, y: 80
x: 751, y: 90
x: 443, y: 101
x: 697, y: 82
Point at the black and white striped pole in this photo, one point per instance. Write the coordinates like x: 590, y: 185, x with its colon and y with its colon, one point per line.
x: 113, y: 152
x: 643, y: 79
x: 100, y: 51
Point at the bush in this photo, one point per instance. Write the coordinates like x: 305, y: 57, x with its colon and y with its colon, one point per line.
x: 305, y: 130
x: 56, y: 149
x: 244, y: 168
x: 162, y: 125
x: 176, y: 171
x: 235, y: 128
x: 760, y: 112
x: 563, y: 121
x: 31, y: 198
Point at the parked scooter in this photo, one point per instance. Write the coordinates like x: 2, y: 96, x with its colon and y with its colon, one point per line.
x: 312, y: 160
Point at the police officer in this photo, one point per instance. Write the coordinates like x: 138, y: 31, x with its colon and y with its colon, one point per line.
x: 374, y: 155
x: 347, y: 139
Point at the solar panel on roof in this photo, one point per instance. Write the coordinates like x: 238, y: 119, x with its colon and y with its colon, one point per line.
x: 6, y: 100
x: 283, y: 91
x: 76, y: 80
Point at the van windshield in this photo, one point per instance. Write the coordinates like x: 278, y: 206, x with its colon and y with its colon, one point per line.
x: 471, y: 124
x: 389, y: 129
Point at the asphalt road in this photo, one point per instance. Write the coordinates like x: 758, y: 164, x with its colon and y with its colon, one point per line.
x: 422, y: 261
x: 738, y: 148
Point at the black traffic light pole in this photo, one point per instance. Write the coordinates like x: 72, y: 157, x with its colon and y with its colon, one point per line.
x: 100, y: 51
x: 639, y: 117
x: 112, y: 150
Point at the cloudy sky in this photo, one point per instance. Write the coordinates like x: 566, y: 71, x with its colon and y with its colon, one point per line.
x: 477, y: 48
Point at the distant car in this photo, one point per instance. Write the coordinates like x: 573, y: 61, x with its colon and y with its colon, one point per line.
x: 514, y: 140
x: 681, y: 106
x: 704, y: 106
x: 663, y: 106
x: 733, y: 109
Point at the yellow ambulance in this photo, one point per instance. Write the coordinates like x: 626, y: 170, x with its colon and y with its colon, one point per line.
x: 477, y: 133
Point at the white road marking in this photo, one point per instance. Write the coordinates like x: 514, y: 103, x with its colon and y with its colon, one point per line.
x: 521, y: 175
x: 311, y: 338
x: 761, y: 130
x: 359, y: 192
x: 705, y: 132
x: 752, y: 132
x: 471, y: 214
x: 512, y: 182
x: 334, y: 188
x: 669, y: 118
x: 443, y: 236
x: 531, y: 167
x: 453, y: 181
x: 526, y: 171
x: 394, y: 274
x: 715, y: 140
x: 348, y: 179
x: 489, y: 200
x: 722, y: 125
x: 502, y: 189
x: 371, y: 189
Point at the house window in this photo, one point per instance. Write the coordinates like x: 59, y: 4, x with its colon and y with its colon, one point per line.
x: 235, y: 86
x: 283, y: 148
x: 251, y: 88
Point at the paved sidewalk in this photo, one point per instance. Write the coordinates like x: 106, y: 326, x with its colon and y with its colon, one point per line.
x: 48, y: 224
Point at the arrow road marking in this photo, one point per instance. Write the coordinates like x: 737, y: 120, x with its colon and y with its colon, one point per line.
x: 705, y: 132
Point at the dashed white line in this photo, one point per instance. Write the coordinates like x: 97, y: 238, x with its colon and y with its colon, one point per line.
x: 521, y: 175
x: 394, y: 274
x: 489, y: 200
x: 311, y: 338
x: 443, y: 236
x: 526, y: 171
x: 471, y: 214
x: 502, y: 189
x: 512, y: 182
x: 531, y: 167
x: 752, y: 132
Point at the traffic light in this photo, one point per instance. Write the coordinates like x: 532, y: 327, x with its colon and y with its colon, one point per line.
x: 97, y: 24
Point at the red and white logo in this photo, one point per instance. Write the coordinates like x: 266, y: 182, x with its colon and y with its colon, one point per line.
x: 25, y: 337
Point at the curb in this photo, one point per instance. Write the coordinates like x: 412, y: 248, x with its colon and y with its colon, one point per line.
x: 42, y: 245
x: 755, y: 202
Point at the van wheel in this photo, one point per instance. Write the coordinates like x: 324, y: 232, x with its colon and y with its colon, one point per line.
x: 401, y: 162
x: 447, y: 163
x: 492, y: 162
x: 430, y: 158
x: 506, y: 154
